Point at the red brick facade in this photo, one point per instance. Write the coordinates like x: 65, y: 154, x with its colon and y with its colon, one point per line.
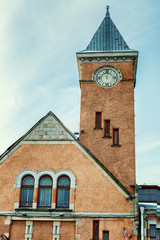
x: 117, y: 105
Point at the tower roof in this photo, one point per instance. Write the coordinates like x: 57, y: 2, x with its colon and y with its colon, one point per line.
x: 107, y: 37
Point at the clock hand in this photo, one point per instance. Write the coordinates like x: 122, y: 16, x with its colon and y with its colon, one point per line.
x: 106, y: 76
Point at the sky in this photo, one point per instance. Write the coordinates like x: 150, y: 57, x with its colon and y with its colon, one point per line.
x: 38, y: 67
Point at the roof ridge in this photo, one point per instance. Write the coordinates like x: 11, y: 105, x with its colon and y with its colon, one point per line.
x: 50, y: 113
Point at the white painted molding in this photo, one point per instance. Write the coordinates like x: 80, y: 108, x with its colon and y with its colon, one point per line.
x: 8, y: 221
x: 56, y: 236
x: 69, y: 174
x: 34, y: 205
x: 6, y: 234
x: 145, y: 204
x: 53, y: 205
x: 29, y: 223
x: 76, y: 215
x: 57, y: 223
x: 142, y: 222
x: 152, y: 222
x: 45, y: 219
x: 16, y: 205
x: 77, y: 236
x: 71, y: 206
x: 46, y: 172
x: 22, y: 174
x: 52, y: 174
x: 79, y: 223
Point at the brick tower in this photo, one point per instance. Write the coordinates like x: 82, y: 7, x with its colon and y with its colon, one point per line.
x: 107, y: 73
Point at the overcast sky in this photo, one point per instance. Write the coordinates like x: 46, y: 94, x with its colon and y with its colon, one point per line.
x: 38, y: 68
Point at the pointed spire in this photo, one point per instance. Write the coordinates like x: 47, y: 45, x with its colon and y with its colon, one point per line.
x: 107, y: 37
x: 107, y: 13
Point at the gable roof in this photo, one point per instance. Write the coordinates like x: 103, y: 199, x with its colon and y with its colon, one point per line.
x: 51, y: 129
x: 107, y: 37
x: 44, y: 130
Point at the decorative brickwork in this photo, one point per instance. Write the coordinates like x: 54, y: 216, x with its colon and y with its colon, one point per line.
x: 50, y: 130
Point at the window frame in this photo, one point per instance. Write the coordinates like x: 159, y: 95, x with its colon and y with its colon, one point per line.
x: 114, y: 141
x: 104, y: 234
x: 105, y: 128
x: 98, y: 123
x: 63, y: 187
x: 153, y: 236
x: 44, y: 187
x: 94, y: 228
x: 27, y: 187
x: 150, y: 194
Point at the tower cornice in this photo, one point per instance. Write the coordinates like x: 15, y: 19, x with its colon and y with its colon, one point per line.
x: 129, y: 53
x: 108, y: 57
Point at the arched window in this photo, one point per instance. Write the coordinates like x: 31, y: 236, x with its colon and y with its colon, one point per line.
x: 63, y: 192
x: 27, y: 191
x: 45, y: 191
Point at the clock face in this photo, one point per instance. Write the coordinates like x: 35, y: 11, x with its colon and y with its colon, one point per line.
x: 106, y: 77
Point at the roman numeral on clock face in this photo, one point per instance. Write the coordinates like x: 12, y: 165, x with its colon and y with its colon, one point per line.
x: 106, y: 77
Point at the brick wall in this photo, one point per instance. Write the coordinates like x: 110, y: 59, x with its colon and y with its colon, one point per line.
x: 116, y: 105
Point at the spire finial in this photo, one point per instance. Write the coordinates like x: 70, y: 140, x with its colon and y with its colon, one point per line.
x: 107, y: 13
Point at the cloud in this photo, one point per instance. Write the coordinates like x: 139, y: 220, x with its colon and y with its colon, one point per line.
x: 38, y: 69
x: 148, y: 158
x: 147, y: 143
x: 148, y: 175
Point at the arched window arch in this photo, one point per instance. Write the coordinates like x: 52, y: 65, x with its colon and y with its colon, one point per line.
x: 27, y: 187
x: 63, y: 189
x: 45, y: 191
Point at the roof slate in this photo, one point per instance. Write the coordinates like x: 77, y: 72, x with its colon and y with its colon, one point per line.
x: 107, y: 37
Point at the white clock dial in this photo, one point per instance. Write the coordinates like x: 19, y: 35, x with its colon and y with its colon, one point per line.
x: 106, y: 77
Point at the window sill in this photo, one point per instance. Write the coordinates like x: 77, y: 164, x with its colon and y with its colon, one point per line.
x: 63, y: 210
x: 107, y: 137
x: 97, y: 128
x: 24, y: 208
x: 45, y: 209
x: 115, y: 145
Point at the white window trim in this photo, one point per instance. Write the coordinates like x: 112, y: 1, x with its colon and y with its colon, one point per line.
x: 56, y: 230
x: 28, y: 234
x: 52, y: 174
